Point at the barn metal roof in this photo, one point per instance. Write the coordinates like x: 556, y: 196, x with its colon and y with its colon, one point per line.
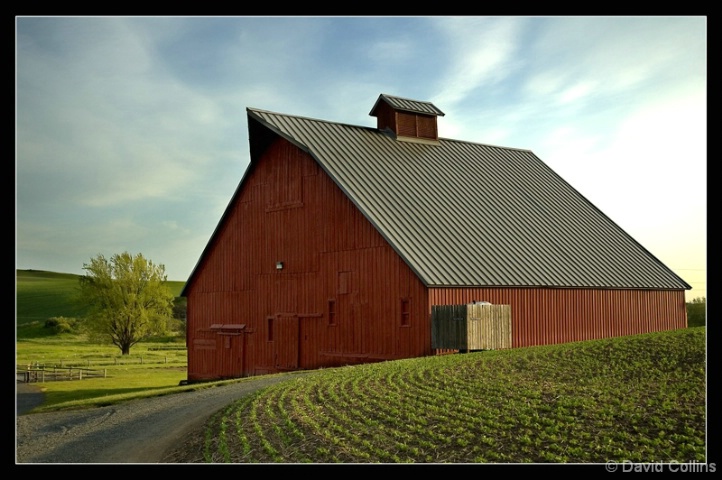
x: 468, y: 214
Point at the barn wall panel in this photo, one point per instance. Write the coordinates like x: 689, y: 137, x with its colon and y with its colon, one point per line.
x: 549, y: 316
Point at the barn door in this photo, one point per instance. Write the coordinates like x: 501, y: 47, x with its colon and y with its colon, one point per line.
x: 287, y: 342
x: 202, y: 359
x: 230, y: 345
x: 230, y: 354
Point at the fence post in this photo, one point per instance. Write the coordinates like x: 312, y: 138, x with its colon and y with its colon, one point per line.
x: 105, y: 373
x: 42, y: 375
x: 80, y: 374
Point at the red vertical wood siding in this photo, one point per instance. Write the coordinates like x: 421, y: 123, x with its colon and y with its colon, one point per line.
x: 549, y: 316
x: 290, y: 211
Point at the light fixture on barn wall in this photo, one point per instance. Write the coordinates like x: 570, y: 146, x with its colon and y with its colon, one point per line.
x: 279, y: 265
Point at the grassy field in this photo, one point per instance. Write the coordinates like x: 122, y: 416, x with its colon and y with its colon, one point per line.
x: 153, y: 367
x: 42, y: 295
x: 640, y: 398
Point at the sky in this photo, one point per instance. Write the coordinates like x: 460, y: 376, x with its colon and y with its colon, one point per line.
x: 131, y: 132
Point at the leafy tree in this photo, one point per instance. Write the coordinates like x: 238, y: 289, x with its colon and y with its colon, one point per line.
x: 697, y: 312
x: 179, y: 309
x: 128, y: 299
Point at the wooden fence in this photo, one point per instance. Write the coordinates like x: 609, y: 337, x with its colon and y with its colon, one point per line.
x: 43, y: 374
x: 475, y: 326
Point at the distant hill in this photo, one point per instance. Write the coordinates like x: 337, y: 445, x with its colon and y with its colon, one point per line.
x: 41, y: 295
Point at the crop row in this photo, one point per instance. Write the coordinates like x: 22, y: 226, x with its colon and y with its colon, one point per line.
x: 639, y: 400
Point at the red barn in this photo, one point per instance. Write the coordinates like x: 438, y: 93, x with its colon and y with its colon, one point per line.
x: 339, y: 240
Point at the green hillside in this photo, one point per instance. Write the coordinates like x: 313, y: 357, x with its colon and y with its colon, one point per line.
x: 41, y: 295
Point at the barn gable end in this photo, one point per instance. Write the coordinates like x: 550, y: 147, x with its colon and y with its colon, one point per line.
x: 292, y: 262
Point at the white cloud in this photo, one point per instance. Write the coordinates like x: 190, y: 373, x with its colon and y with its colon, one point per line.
x: 480, y: 53
x: 577, y: 92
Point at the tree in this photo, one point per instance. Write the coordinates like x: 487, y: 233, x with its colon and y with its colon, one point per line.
x: 697, y: 312
x: 128, y: 299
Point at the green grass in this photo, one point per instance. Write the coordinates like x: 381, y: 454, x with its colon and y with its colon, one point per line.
x: 42, y: 295
x: 123, y: 384
x: 639, y: 398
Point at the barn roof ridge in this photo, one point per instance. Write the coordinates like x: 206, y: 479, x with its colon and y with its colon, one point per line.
x: 305, y: 117
x: 368, y: 127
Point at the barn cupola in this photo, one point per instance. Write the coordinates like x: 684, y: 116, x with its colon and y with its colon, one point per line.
x: 408, y: 120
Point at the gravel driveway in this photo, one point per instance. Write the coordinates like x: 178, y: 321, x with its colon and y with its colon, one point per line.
x: 138, y: 431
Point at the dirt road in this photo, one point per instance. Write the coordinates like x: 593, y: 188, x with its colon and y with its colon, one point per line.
x: 137, y: 431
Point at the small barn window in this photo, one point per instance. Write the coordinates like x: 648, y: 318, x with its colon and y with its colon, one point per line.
x: 270, y: 329
x: 405, y: 312
x: 332, y: 312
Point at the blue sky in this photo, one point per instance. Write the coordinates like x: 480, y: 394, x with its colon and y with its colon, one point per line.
x: 131, y: 132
